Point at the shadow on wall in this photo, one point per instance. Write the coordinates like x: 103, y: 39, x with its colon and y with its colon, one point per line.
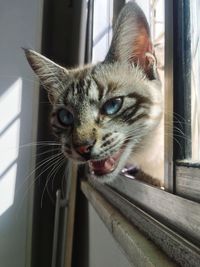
x: 17, y: 126
x: 10, y: 105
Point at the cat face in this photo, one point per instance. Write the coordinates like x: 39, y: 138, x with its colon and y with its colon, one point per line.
x: 102, y: 113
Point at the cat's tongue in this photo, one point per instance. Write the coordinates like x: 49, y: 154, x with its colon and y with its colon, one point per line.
x: 104, y: 166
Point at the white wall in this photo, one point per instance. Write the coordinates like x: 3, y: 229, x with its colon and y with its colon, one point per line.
x: 20, y: 25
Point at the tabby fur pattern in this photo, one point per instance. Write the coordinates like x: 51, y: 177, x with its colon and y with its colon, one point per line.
x: 109, y: 114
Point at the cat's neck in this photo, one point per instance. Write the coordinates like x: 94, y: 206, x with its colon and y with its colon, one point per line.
x: 151, y: 159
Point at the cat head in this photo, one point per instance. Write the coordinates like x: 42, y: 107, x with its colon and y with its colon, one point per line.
x: 101, y: 113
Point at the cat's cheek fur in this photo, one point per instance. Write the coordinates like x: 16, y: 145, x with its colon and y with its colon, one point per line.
x: 150, y: 157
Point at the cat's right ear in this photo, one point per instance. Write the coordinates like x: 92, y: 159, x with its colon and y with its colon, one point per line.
x: 50, y: 74
x: 131, y: 42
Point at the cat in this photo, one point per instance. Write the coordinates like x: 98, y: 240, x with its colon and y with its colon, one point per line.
x: 109, y: 114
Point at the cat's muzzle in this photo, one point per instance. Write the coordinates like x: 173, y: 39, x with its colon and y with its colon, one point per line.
x: 105, y: 166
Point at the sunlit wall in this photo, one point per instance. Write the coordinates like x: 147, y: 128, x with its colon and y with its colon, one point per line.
x: 20, y: 26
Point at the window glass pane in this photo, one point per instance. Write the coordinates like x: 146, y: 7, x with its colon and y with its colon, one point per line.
x: 102, y: 29
x: 195, y: 78
x: 157, y: 30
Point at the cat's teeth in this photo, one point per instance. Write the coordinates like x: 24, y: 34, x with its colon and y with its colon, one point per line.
x: 90, y: 168
x: 90, y: 164
x: 110, y: 164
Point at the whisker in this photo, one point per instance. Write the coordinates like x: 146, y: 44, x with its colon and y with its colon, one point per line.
x: 42, y: 143
x: 9, y: 149
x: 54, y: 170
x: 52, y: 150
x: 37, y: 178
x: 52, y: 159
x: 52, y: 182
x: 42, y: 163
x: 62, y: 183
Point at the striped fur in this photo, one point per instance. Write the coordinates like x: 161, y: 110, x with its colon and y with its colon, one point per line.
x: 128, y: 72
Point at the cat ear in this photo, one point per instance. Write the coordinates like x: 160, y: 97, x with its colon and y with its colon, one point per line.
x: 50, y: 74
x: 131, y: 40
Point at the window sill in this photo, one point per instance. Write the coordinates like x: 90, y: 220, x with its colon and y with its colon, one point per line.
x: 156, y: 213
x: 140, y: 250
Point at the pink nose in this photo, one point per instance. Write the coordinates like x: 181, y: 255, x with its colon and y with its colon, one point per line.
x: 83, y: 149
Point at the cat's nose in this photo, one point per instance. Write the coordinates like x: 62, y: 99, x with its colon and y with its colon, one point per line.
x: 85, y: 149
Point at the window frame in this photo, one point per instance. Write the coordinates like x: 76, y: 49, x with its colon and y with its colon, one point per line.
x: 186, y: 173
x: 188, y: 180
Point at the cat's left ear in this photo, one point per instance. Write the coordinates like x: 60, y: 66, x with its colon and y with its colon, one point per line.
x: 131, y: 42
x: 50, y: 74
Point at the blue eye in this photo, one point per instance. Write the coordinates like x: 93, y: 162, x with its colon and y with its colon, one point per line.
x: 65, y: 117
x: 112, y: 106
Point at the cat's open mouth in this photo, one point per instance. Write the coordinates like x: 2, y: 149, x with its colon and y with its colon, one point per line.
x: 105, y: 166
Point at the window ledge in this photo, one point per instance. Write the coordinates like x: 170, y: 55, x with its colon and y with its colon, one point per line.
x: 171, y: 239
x: 140, y: 251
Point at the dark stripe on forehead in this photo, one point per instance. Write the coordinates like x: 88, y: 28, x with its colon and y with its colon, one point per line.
x: 84, y: 85
x: 65, y: 93
x: 94, y: 102
x: 78, y: 88
x: 81, y: 86
x: 100, y: 87
x: 112, y: 86
x: 88, y: 86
